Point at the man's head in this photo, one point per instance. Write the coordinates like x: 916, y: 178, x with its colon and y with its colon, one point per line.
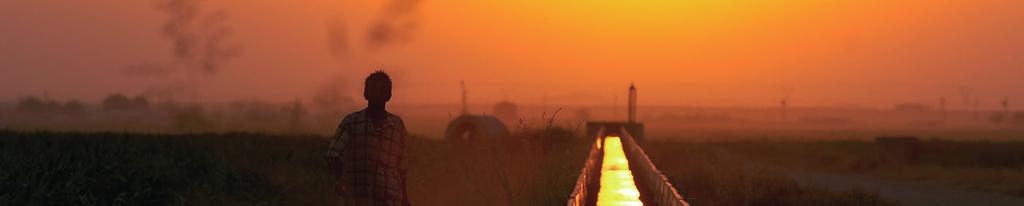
x: 378, y: 87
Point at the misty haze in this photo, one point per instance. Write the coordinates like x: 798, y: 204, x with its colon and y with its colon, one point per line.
x: 532, y: 102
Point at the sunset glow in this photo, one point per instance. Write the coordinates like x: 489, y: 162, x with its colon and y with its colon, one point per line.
x: 496, y: 102
x: 691, y: 53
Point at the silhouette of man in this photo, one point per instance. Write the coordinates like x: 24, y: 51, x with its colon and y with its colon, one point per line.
x: 367, y: 151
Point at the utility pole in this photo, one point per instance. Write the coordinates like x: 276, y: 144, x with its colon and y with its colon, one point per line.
x: 1006, y: 105
x: 632, y: 103
x: 784, y: 103
x: 544, y: 103
x: 465, y: 104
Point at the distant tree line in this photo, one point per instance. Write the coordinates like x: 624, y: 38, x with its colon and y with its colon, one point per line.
x: 1015, y: 118
x: 49, y: 106
x: 120, y: 102
x: 113, y: 102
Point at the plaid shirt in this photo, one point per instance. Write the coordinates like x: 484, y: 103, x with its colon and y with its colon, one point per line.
x: 368, y: 160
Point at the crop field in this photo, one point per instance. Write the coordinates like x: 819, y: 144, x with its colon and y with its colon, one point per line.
x: 536, y: 167
x: 706, y: 177
x: 858, y: 171
x: 45, y: 168
x: 984, y: 166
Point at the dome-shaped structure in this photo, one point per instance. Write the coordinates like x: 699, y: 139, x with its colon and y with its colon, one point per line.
x: 467, y: 127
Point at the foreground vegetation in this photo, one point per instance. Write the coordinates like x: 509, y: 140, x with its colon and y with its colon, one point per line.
x: 706, y: 176
x: 537, y: 167
x: 45, y: 168
x: 987, y: 166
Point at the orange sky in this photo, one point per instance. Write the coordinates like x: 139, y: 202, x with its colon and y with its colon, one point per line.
x: 702, y: 52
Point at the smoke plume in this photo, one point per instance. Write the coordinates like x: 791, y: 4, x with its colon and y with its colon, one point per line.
x: 337, y: 39
x: 395, y: 25
x: 332, y: 97
x: 198, y: 38
x: 199, y: 42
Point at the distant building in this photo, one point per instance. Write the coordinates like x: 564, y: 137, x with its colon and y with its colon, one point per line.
x: 471, y: 127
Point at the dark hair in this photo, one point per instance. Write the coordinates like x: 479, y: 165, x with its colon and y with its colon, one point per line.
x: 379, y: 76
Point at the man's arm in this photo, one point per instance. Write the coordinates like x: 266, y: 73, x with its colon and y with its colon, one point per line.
x: 403, y: 171
x: 338, y: 143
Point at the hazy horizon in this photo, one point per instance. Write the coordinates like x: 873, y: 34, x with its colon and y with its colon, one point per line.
x: 695, y: 53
